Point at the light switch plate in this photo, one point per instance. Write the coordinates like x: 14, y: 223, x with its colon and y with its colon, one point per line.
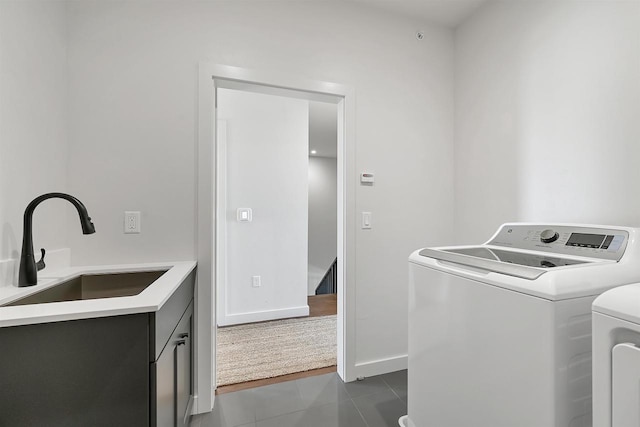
x: 366, y: 220
x: 244, y: 215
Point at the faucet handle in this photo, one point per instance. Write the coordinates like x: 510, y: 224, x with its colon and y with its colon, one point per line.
x: 40, y: 264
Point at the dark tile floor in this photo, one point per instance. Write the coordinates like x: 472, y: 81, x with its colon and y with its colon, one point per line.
x: 320, y: 401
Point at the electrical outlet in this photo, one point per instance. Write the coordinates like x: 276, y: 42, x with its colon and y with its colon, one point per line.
x: 255, y: 281
x: 132, y: 222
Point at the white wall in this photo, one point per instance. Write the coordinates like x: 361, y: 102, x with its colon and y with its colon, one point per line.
x: 33, y: 126
x: 323, y: 218
x: 133, y: 99
x: 267, y: 142
x: 547, y: 108
x: 547, y: 100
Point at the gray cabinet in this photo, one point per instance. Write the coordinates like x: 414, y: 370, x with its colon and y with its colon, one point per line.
x: 174, y: 373
x: 130, y: 370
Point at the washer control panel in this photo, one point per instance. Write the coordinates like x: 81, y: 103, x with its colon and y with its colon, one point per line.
x: 563, y: 239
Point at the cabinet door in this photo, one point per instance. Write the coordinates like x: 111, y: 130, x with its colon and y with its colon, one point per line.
x: 165, y: 394
x: 173, y: 376
x: 183, y: 369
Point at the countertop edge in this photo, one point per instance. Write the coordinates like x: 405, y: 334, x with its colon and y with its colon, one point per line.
x: 149, y: 300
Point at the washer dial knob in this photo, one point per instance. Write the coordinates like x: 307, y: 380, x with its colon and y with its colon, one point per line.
x: 549, y: 236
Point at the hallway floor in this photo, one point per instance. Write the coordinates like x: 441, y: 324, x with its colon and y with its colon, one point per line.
x: 319, y: 305
x: 319, y: 401
x: 322, y: 305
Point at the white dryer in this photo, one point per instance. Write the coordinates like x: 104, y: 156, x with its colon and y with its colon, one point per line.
x: 616, y: 358
x: 500, y: 333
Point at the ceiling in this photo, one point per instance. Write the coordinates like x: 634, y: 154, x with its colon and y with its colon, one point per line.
x: 323, y: 115
x: 449, y: 13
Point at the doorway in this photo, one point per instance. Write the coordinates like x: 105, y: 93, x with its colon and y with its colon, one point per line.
x: 276, y: 228
x: 213, y: 76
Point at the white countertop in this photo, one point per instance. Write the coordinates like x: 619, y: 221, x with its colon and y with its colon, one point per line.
x: 150, y: 299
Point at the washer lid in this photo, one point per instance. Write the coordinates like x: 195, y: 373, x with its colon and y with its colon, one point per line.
x: 519, y: 258
x: 519, y: 264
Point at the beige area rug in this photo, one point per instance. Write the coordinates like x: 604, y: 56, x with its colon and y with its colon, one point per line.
x: 270, y: 349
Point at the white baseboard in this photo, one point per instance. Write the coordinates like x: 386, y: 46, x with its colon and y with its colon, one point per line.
x: 261, y: 316
x: 381, y: 366
x: 196, y: 409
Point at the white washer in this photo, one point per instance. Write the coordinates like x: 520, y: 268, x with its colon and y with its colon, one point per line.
x: 616, y: 358
x: 500, y: 334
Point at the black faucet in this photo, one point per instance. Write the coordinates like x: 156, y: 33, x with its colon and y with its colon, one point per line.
x: 28, y: 275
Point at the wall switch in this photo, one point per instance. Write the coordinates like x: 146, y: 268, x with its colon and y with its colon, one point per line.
x: 244, y: 215
x: 255, y: 281
x: 366, y: 220
x: 132, y: 222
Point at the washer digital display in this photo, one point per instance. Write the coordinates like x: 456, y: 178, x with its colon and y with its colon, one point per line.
x: 586, y: 240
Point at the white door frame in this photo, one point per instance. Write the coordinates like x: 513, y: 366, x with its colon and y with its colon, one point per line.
x: 210, y: 76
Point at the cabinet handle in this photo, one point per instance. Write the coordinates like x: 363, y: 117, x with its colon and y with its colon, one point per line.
x: 184, y: 335
x: 181, y: 342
